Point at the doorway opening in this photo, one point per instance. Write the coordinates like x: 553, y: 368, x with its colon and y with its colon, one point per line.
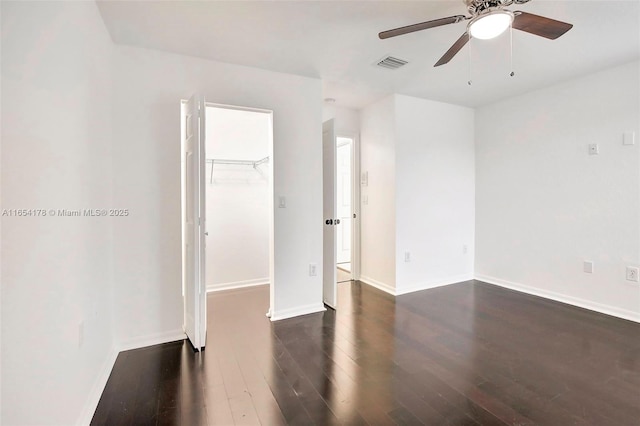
x: 341, y: 202
x: 227, y: 205
x: 344, y: 212
x: 239, y: 188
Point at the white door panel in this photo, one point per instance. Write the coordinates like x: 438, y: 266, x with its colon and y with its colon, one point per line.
x: 329, y: 270
x: 195, y: 319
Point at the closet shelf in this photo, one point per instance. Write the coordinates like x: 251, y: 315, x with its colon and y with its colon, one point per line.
x: 254, y: 164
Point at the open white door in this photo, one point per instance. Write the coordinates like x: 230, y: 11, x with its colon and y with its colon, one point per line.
x: 329, y: 270
x: 195, y: 295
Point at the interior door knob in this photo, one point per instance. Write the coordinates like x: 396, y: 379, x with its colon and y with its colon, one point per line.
x: 329, y: 222
x: 337, y: 221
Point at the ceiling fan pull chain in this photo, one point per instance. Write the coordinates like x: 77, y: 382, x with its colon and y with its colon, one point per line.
x: 511, y: 48
x: 469, y: 51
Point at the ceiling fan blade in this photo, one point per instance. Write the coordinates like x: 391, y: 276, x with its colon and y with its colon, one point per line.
x: 421, y: 26
x: 539, y: 25
x: 459, y: 44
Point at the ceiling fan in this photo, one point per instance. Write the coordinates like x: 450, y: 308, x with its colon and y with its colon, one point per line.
x: 488, y: 19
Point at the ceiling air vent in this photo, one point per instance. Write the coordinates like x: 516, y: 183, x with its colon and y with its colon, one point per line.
x: 391, y: 63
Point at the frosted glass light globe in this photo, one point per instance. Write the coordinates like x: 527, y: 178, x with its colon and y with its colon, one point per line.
x: 490, y: 25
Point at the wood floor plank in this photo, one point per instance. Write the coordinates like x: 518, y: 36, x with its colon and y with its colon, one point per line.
x: 219, y: 413
x: 464, y: 354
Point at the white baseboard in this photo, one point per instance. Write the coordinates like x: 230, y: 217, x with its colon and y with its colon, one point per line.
x: 99, y: 385
x: 152, y: 339
x: 378, y: 284
x: 295, y: 312
x: 237, y: 284
x: 433, y: 284
x: 95, y: 393
x: 419, y: 287
x: 570, y: 300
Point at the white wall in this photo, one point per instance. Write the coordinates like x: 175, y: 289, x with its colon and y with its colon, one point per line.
x: 237, y: 199
x: 419, y: 155
x: 56, y: 154
x: 378, y: 209
x: 346, y: 120
x: 147, y: 151
x: 544, y: 205
x: 435, y: 196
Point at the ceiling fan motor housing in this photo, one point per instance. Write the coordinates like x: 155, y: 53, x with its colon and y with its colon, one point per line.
x: 476, y: 7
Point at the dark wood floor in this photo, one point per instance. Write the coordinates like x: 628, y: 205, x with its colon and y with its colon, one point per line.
x: 465, y: 354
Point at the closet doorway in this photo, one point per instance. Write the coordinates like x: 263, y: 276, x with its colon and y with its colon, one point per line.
x: 227, y: 205
x: 239, y: 197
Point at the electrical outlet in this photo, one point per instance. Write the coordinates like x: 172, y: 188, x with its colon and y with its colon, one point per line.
x: 282, y: 202
x: 588, y: 267
x: 407, y: 256
x: 313, y: 270
x: 465, y: 249
x: 633, y: 273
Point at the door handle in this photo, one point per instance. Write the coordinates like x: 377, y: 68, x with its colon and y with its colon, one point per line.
x: 206, y: 233
x: 337, y: 221
x: 328, y: 222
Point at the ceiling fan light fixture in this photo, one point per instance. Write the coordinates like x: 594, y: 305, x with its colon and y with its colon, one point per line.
x: 490, y: 25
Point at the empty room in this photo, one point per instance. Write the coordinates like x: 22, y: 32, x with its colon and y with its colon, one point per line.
x: 320, y: 212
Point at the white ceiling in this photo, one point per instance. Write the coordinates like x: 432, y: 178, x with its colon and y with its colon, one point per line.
x: 337, y: 42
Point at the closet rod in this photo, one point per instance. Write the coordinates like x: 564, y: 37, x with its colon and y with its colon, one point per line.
x: 254, y: 164
x: 238, y: 162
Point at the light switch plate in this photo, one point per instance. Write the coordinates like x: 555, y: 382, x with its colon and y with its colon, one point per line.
x: 629, y: 138
x: 594, y: 149
x: 588, y: 267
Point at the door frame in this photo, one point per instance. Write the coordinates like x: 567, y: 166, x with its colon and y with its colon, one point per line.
x: 270, y: 166
x: 270, y: 163
x: 355, y: 200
